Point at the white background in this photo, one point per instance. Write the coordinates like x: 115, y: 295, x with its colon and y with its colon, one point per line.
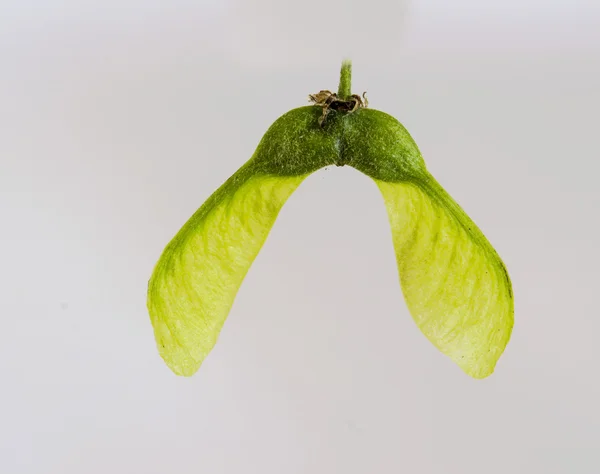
x: 118, y: 119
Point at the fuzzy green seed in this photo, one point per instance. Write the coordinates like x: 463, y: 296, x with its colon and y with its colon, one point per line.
x: 455, y: 285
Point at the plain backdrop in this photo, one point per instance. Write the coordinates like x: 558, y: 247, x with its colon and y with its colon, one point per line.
x: 119, y: 118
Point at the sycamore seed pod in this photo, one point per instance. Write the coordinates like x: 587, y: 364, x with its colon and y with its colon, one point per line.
x: 455, y: 285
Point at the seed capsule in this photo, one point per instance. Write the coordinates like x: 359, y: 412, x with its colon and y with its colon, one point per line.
x: 455, y: 285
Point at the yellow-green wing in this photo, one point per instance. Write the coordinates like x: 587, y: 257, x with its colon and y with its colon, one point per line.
x: 455, y: 285
x: 199, y: 273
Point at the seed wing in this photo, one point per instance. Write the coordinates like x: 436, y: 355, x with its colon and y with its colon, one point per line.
x: 196, y: 279
x: 455, y: 285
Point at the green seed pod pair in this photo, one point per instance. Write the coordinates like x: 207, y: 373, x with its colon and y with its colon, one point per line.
x: 455, y: 285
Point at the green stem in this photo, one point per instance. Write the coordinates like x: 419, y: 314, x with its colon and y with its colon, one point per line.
x: 345, y: 88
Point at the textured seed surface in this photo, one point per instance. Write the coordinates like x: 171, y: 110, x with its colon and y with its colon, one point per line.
x: 455, y: 285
